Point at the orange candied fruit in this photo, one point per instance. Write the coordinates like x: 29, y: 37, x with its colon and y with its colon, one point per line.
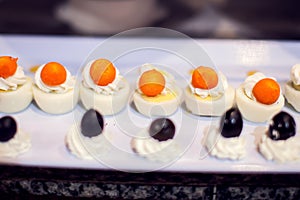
x: 204, y: 78
x: 102, y: 72
x: 8, y: 66
x: 266, y: 91
x: 53, y: 74
x: 152, y: 83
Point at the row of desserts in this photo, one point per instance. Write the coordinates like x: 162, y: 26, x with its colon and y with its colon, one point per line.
x: 54, y: 89
x: 148, y: 88
x: 157, y: 94
x: 208, y: 94
x: 277, y: 142
x: 90, y: 139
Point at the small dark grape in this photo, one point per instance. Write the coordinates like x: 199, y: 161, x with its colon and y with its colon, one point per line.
x: 282, y: 126
x: 162, y: 129
x: 8, y: 128
x: 231, y: 124
x: 92, y: 123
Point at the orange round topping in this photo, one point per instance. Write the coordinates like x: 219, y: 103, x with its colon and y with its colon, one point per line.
x: 53, y: 74
x: 152, y: 83
x: 266, y: 91
x: 8, y: 66
x: 102, y: 72
x: 204, y: 78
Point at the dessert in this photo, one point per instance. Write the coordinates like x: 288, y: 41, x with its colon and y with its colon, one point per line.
x: 15, y: 87
x: 292, y: 88
x: 90, y: 138
x: 157, y: 143
x: 279, y: 142
x: 103, y: 88
x: 13, y: 141
x: 54, y: 90
x: 208, y: 93
x: 225, y: 141
x: 157, y: 93
x: 259, y: 98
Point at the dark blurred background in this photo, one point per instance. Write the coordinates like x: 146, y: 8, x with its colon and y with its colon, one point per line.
x: 256, y: 19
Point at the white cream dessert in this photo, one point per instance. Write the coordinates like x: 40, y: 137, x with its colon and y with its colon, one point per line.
x: 259, y: 98
x: 157, y: 93
x: 103, y: 87
x: 292, y: 88
x: 208, y: 93
x: 15, y: 86
x: 157, y: 143
x: 54, y: 90
x: 225, y: 142
x: 13, y: 141
x: 280, y: 143
x: 90, y: 139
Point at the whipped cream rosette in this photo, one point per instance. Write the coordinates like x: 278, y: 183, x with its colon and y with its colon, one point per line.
x: 103, y: 87
x: 225, y: 141
x: 157, y: 93
x: 279, y: 143
x: 13, y: 141
x: 89, y: 138
x: 208, y: 93
x: 292, y: 88
x: 157, y: 143
x: 15, y: 86
x: 259, y: 98
x: 54, y: 90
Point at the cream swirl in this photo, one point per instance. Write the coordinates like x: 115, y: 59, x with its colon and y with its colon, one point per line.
x: 295, y: 74
x: 154, y: 150
x: 85, y: 147
x: 280, y: 150
x: 69, y: 83
x: 109, y: 89
x: 12, y: 82
x: 213, y: 92
x: 227, y: 148
x: 250, y: 82
x: 19, y: 144
x: 170, y: 80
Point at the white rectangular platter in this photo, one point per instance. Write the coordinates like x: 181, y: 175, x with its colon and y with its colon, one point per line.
x: 233, y: 57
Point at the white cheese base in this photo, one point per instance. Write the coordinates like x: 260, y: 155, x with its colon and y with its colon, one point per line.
x: 55, y: 103
x: 154, y: 150
x: 233, y: 148
x: 206, y: 107
x: 19, y: 144
x: 105, y: 104
x: 255, y: 111
x: 281, y: 151
x: 87, y: 148
x: 16, y: 100
x: 292, y: 95
x: 164, y: 108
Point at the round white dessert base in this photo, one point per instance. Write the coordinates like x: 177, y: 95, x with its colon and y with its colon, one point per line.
x: 164, y: 108
x: 55, y: 103
x: 206, y: 107
x: 292, y: 95
x: 17, y: 100
x: 255, y: 111
x: 105, y: 104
